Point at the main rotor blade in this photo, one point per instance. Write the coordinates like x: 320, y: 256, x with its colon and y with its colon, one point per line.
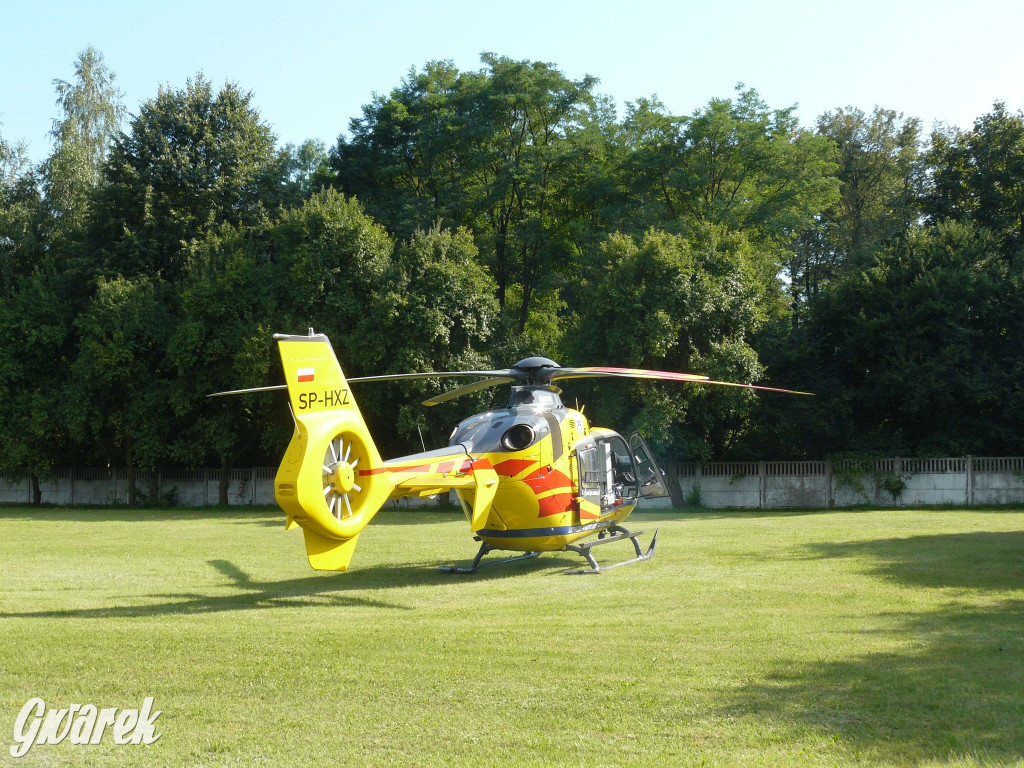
x: 466, y: 389
x: 627, y: 373
x: 247, y: 391
x: 754, y: 386
x: 431, y: 375
x: 638, y: 373
x: 506, y: 374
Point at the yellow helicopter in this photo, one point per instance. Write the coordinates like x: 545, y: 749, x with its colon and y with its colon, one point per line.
x: 534, y: 477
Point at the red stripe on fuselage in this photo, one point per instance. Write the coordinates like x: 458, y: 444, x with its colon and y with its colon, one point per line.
x: 468, y: 465
x: 550, y: 481
x: 512, y: 467
x: 555, y: 505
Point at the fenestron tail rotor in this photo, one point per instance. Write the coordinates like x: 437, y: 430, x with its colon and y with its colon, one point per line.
x: 339, y: 477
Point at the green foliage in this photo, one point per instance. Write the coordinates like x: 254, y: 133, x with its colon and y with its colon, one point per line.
x: 119, y: 382
x: 978, y: 175
x: 91, y: 119
x: 695, y: 498
x: 35, y: 329
x: 499, y: 151
x: 930, y: 329
x: 502, y: 213
x: 191, y: 161
x: 735, y: 163
x: 436, y: 310
x: 851, y: 470
x: 36, y: 318
x: 222, y: 342
x: 329, y: 257
x: 881, y: 173
x: 670, y: 303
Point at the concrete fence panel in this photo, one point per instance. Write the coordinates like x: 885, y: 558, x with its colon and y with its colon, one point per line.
x: 963, y: 480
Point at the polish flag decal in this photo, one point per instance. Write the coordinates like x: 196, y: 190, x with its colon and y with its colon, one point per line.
x: 306, y: 374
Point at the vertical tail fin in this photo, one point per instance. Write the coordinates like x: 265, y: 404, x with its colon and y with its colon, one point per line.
x: 329, y: 481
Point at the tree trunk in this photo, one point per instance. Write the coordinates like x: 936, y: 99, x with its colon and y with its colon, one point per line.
x: 672, y: 481
x: 222, y: 491
x: 524, y: 309
x: 130, y: 456
x: 37, y: 492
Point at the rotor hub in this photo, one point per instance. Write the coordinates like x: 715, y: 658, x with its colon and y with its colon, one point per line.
x: 536, y: 370
x: 343, y: 477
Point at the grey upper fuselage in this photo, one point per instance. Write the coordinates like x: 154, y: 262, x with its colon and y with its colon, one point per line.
x: 538, y: 407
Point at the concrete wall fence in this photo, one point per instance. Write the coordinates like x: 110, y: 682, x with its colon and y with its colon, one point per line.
x: 185, y: 488
x: 964, y: 480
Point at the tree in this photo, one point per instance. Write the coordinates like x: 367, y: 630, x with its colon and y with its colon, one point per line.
x: 329, y: 258
x: 923, y: 352
x: 672, y: 303
x: 91, y: 116
x: 531, y: 113
x: 305, y: 170
x: 119, y: 394
x: 435, y: 311
x: 22, y: 221
x: 881, y: 172
x: 223, y: 341
x: 978, y: 176
x: 407, y: 156
x: 734, y: 163
x: 495, y: 151
x: 34, y: 328
x: 881, y: 175
x: 192, y: 161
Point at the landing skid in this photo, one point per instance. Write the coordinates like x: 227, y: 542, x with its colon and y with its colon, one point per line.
x: 614, y: 533
x: 617, y: 533
x: 477, y: 565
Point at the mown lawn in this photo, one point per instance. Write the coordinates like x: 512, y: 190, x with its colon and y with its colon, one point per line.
x: 790, y: 638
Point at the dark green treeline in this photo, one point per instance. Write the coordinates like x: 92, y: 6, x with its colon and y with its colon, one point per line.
x: 470, y: 218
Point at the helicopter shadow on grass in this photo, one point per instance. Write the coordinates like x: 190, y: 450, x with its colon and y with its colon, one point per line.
x: 953, y: 689
x: 318, y: 590
x: 423, y: 515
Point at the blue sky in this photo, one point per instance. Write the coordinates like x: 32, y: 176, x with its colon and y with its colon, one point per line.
x: 311, y: 64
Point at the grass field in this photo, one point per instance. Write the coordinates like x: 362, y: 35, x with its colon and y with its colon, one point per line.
x: 791, y: 638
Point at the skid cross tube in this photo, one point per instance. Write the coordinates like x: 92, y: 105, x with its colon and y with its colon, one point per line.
x: 476, y: 564
x: 617, y: 533
x: 613, y: 533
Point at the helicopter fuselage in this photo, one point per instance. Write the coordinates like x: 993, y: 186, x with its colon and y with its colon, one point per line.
x: 533, y: 477
x: 559, y: 479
